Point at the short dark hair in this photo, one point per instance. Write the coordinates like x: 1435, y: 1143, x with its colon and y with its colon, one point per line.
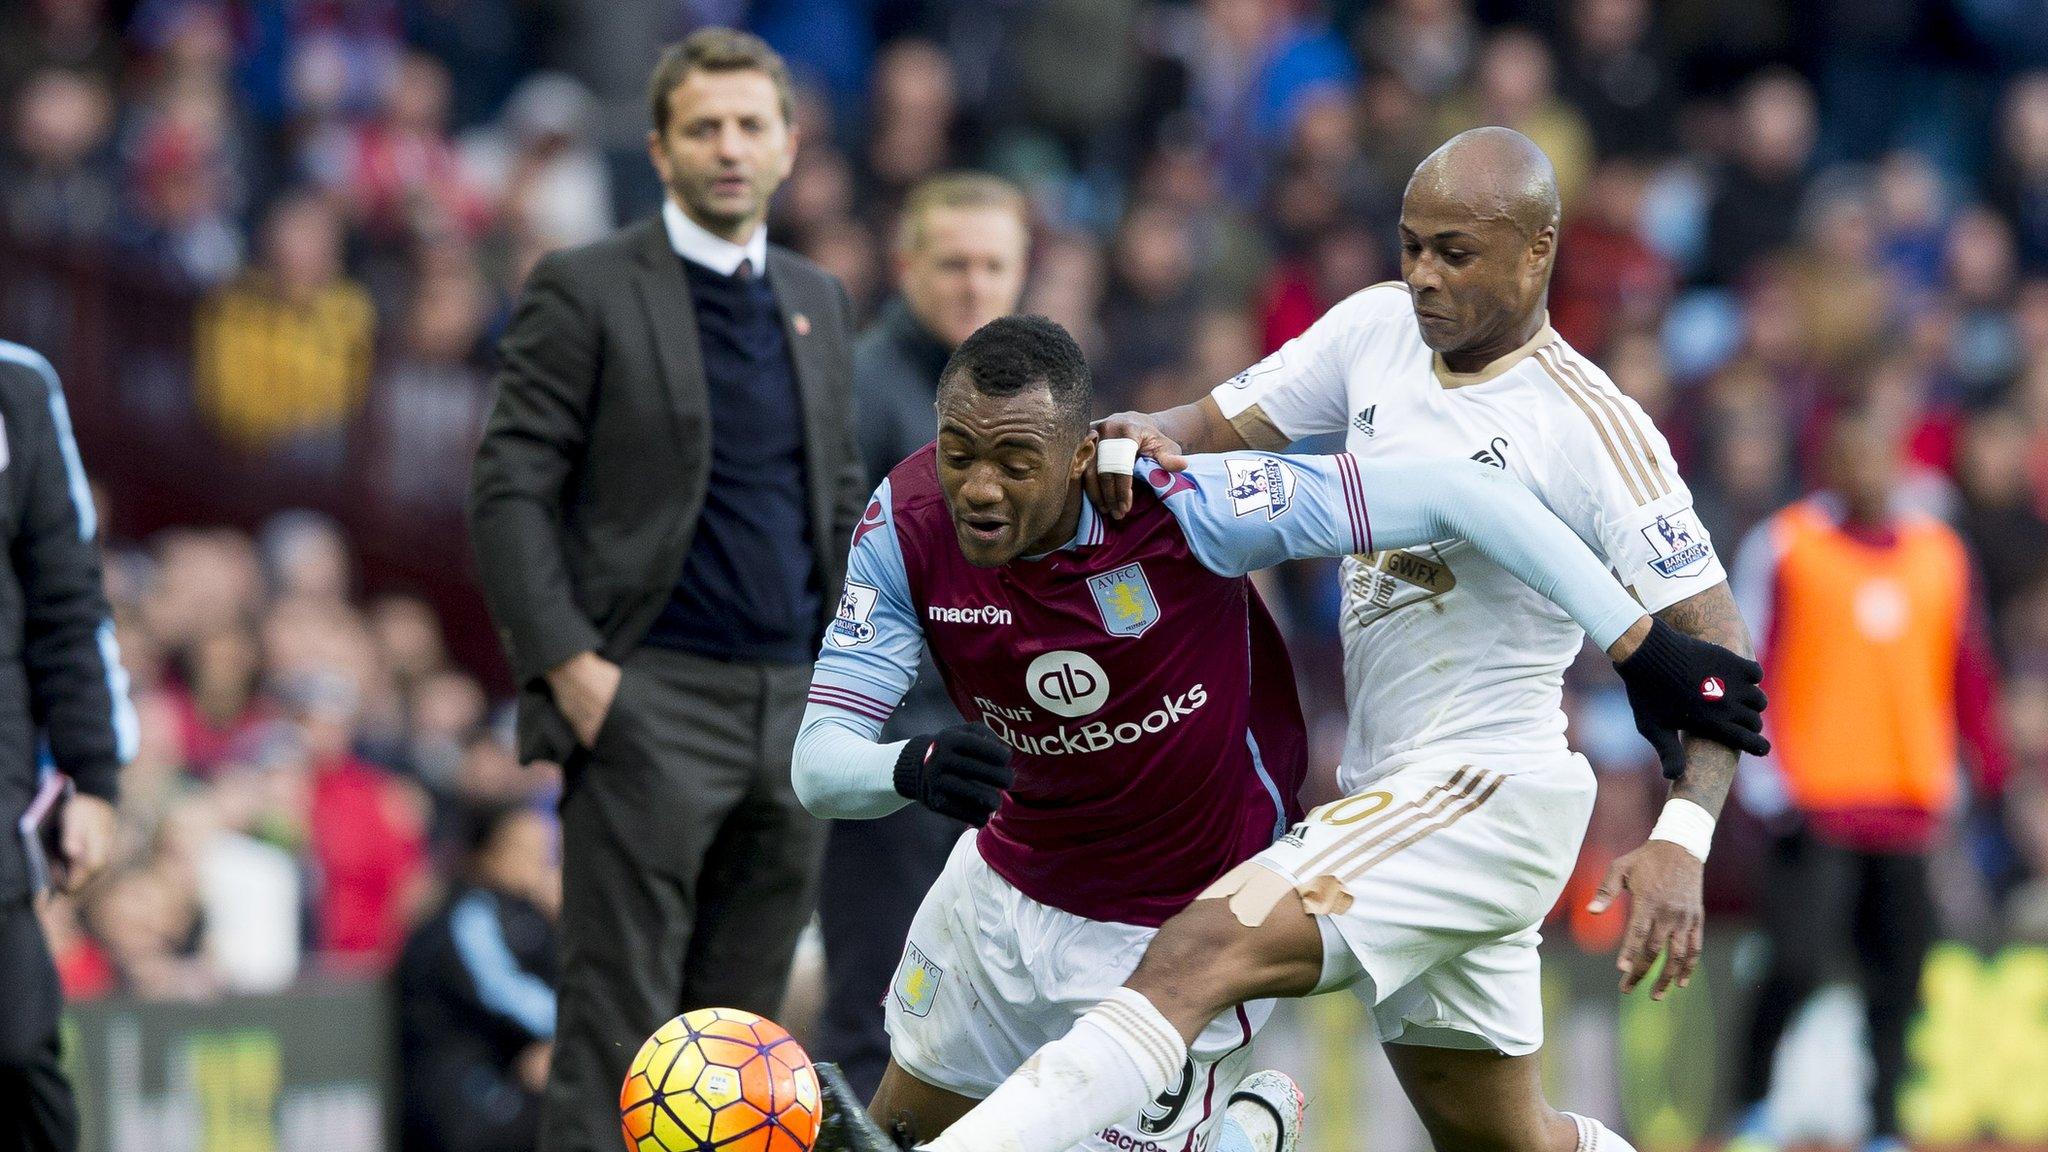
x: 717, y: 50
x: 1013, y: 354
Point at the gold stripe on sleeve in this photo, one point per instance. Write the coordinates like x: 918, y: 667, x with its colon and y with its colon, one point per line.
x: 1608, y: 398
x: 1258, y: 430
x: 1599, y: 425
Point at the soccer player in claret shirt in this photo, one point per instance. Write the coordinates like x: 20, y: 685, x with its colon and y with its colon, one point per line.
x: 1134, y: 731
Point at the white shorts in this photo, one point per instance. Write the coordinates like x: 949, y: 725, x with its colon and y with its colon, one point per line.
x: 1435, y: 878
x: 990, y: 976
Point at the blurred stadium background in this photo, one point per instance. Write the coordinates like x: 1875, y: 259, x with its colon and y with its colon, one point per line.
x: 269, y: 243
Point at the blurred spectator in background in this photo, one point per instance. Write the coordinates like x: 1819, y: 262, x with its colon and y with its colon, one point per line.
x: 486, y: 47
x: 1608, y: 276
x: 56, y: 180
x: 70, y: 34
x: 475, y: 992
x: 1429, y: 44
x: 284, y: 355
x: 2001, y: 519
x: 1983, y: 275
x: 1250, y: 67
x: 1617, y: 75
x: 1757, y: 196
x: 427, y: 409
x: 1152, y: 301
x: 397, y: 173
x: 185, y: 167
x: 1513, y: 86
x: 1840, y: 295
x: 2019, y: 176
x: 1881, y: 682
x: 910, y: 125
x: 541, y: 163
x: 960, y: 253
x: 218, y: 697
x: 368, y: 829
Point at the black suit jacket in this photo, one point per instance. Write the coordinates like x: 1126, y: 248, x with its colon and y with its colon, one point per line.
x: 593, y: 465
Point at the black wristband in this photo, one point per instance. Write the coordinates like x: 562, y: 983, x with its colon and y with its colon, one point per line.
x: 909, y: 774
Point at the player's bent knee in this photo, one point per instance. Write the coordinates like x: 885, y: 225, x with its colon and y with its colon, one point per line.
x: 912, y: 1109
x: 1207, y: 959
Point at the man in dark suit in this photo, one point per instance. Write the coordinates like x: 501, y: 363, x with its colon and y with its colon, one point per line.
x: 961, y: 249
x: 663, y: 495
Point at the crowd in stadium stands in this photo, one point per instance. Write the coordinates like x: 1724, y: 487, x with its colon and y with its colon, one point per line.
x: 1771, y: 209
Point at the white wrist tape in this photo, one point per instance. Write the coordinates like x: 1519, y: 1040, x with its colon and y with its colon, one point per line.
x: 1116, y: 457
x: 1687, y: 825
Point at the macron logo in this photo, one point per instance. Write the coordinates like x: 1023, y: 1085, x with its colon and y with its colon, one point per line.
x: 987, y: 614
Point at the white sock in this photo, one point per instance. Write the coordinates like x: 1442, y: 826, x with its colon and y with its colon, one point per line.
x: 1249, y: 1126
x: 1597, y: 1137
x: 1113, y: 1062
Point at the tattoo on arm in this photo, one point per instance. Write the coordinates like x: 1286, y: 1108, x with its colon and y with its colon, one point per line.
x: 1709, y: 767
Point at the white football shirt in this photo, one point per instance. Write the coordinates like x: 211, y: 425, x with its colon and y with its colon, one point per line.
x: 1445, y: 652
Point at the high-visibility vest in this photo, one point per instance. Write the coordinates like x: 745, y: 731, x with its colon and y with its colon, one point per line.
x: 1860, y: 662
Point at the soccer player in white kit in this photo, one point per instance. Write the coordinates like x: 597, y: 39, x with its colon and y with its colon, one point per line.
x: 1423, y: 888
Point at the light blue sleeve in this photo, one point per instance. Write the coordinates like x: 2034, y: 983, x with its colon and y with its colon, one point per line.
x: 869, y: 656
x: 1242, y: 511
x: 868, y: 660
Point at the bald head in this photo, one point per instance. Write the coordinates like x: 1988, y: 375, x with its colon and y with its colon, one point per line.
x: 1494, y: 174
x: 1478, y: 236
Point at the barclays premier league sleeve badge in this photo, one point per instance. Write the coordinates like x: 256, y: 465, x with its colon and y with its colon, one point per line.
x: 850, y: 624
x: 1678, y: 545
x: 1260, y: 484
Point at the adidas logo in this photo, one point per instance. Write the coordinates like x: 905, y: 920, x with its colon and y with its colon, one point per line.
x: 1495, y: 453
x: 1363, y: 421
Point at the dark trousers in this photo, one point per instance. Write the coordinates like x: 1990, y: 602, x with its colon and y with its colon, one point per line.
x: 688, y: 870
x: 876, y: 874
x: 35, y: 1098
x: 1820, y: 900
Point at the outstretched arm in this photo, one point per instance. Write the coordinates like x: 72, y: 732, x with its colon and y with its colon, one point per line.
x: 1246, y: 511
x: 1664, y: 878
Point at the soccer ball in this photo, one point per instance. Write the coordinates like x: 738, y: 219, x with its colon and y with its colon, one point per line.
x: 720, y: 1079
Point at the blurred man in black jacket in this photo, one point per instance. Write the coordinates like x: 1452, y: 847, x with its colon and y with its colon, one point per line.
x: 61, y: 681
x: 476, y: 995
x: 960, y: 259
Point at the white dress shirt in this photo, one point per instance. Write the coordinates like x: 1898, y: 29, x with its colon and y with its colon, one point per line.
x: 693, y: 242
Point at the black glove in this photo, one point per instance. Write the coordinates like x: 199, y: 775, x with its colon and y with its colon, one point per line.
x: 1677, y: 682
x: 959, y: 772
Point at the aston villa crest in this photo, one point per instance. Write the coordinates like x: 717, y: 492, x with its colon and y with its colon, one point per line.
x: 1125, y: 600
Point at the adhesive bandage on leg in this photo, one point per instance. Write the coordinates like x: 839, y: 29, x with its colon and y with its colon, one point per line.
x: 1117, y: 1058
x: 1254, y: 888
